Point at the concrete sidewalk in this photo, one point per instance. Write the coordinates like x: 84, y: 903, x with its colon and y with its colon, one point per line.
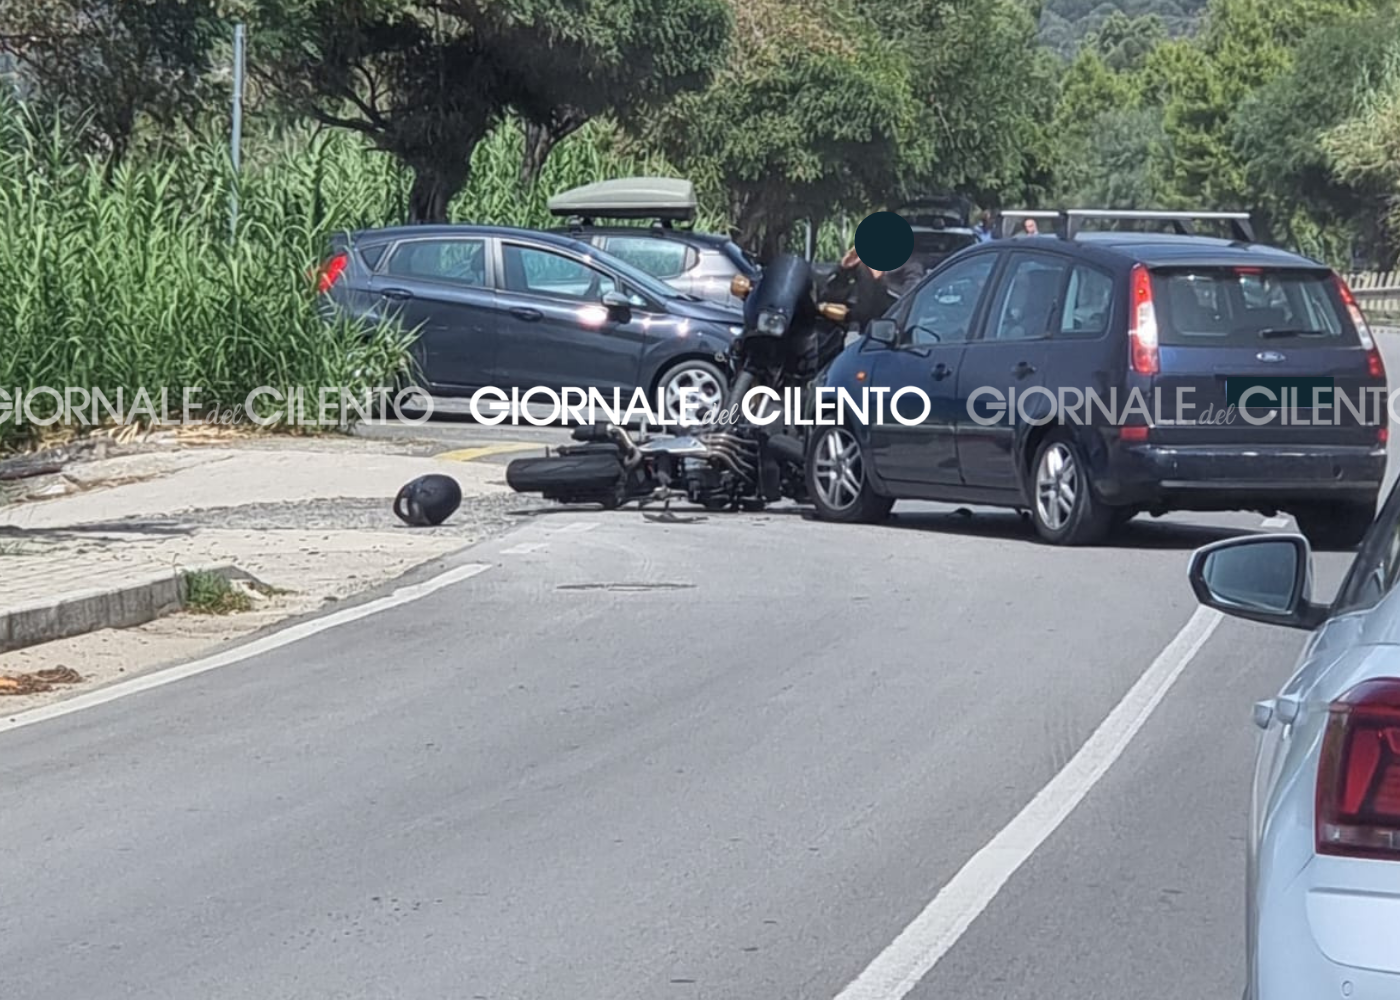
x: 93, y: 580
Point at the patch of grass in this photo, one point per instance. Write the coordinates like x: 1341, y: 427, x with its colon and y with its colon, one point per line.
x: 208, y: 593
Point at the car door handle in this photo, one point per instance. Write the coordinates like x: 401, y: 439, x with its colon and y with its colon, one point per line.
x: 397, y: 293
x: 941, y: 371
x: 1022, y: 369
x: 529, y: 315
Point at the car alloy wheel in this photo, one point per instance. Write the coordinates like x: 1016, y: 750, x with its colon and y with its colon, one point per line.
x: 840, y: 470
x: 1057, y: 485
x: 1066, y: 511
x: 707, y: 399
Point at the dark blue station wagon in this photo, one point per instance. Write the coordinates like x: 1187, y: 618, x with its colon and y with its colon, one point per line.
x: 1248, y: 337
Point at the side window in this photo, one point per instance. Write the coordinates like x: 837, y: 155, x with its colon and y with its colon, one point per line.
x: 1088, y: 303
x: 1027, y: 300
x: 1376, y: 570
x: 942, y: 310
x: 529, y: 271
x: 453, y: 262
x: 661, y: 258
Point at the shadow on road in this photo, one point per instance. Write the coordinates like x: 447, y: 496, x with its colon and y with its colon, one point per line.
x: 1141, y: 533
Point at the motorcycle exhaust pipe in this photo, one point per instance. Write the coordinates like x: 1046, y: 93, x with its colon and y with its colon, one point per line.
x: 788, y: 449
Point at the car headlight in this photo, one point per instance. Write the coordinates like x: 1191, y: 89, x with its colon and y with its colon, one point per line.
x: 772, y: 323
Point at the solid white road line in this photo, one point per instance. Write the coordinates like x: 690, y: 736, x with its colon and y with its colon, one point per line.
x: 910, y: 957
x: 287, y: 636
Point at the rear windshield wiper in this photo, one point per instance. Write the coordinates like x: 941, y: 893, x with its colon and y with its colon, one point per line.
x: 1279, y: 331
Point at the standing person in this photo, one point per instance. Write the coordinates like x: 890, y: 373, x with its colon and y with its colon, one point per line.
x: 867, y: 292
x: 983, y: 229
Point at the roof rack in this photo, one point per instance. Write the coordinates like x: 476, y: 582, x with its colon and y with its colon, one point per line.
x: 1068, y: 220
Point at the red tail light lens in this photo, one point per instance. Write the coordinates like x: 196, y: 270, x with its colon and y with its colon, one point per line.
x: 1132, y: 433
x: 1358, y: 776
x: 331, y: 271
x: 1375, y: 364
x: 1142, y: 333
x: 1363, y: 331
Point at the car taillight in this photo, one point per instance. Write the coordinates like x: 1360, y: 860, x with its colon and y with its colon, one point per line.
x: 331, y: 271
x: 1375, y: 364
x: 1363, y: 331
x: 1358, y: 774
x: 1142, y: 333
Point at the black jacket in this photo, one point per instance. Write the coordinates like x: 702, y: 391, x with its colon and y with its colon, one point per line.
x: 867, y: 296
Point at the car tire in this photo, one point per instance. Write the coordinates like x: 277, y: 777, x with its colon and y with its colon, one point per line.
x: 1335, y: 527
x: 702, y: 375
x: 838, y: 480
x: 1064, y: 509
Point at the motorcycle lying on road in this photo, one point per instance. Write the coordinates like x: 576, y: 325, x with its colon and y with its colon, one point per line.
x: 732, y: 462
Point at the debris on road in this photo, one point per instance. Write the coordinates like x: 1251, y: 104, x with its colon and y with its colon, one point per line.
x: 39, y: 682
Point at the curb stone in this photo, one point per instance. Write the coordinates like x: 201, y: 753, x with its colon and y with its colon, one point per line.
x: 143, y: 599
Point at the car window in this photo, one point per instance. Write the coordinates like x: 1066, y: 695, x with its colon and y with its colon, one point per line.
x: 1237, y: 307
x: 660, y: 258
x: 452, y: 261
x: 1376, y: 569
x: 1088, y: 303
x: 941, y: 311
x: 530, y: 271
x: 1026, y: 302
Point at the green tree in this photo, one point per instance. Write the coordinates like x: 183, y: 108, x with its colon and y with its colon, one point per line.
x: 805, y: 118
x: 113, y: 64
x: 1278, y: 129
x: 983, y: 92
x: 1088, y: 91
x: 1364, y: 151
x: 1243, y: 45
x: 428, y: 81
x: 1124, y: 42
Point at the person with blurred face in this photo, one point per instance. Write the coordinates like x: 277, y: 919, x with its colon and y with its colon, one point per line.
x: 868, y: 293
x: 1031, y: 228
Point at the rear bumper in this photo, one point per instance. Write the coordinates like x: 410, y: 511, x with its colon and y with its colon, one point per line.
x: 1239, y: 476
x: 1317, y: 941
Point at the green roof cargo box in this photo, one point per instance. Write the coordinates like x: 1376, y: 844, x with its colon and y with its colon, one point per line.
x: 665, y: 199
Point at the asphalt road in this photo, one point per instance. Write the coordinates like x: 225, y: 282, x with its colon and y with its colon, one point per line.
x: 731, y: 758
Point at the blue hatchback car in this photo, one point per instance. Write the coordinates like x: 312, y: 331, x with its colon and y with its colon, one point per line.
x: 515, y: 308
x: 1260, y: 386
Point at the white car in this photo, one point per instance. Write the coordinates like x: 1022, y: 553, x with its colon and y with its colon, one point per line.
x: 1323, y: 876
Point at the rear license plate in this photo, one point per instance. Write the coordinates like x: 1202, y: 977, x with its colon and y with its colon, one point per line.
x: 1295, y: 393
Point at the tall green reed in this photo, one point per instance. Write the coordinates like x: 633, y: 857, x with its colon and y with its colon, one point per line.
x: 129, y: 278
